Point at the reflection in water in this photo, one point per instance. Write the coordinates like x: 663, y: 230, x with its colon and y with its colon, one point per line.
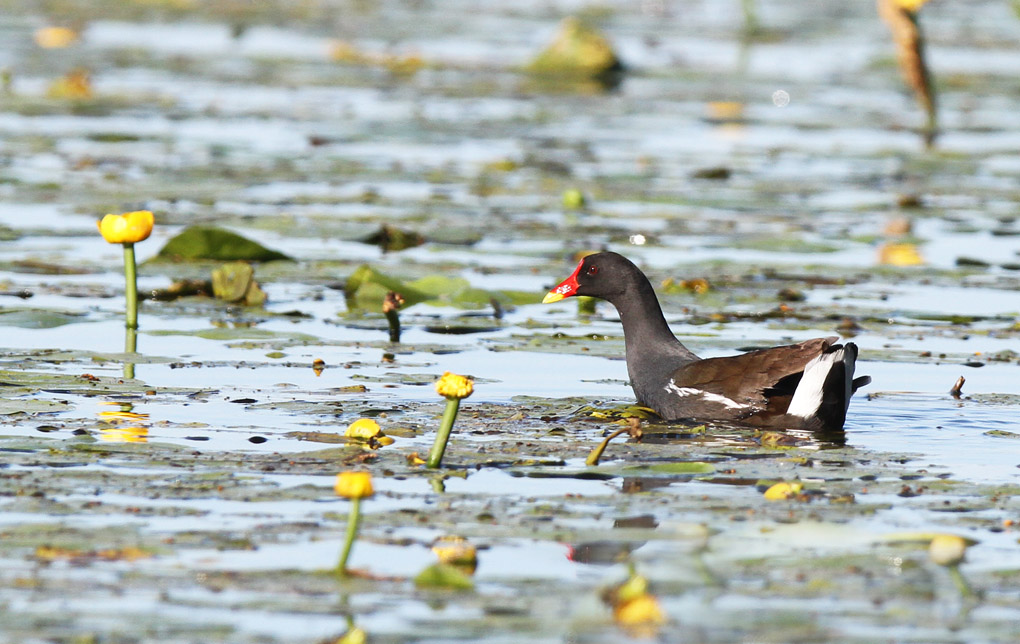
x: 612, y: 552
x: 130, y: 432
x: 124, y: 435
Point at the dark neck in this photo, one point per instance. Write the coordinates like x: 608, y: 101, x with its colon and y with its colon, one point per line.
x: 646, y: 333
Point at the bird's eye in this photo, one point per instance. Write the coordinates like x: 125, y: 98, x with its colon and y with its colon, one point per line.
x: 592, y: 270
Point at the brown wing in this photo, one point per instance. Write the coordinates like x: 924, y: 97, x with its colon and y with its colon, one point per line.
x: 751, y: 378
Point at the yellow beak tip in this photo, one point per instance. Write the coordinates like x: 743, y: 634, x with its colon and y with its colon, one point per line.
x: 551, y: 297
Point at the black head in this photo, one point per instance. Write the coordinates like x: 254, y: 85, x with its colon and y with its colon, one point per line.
x: 605, y: 275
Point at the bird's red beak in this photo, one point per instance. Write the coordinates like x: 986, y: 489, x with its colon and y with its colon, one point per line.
x: 566, y: 288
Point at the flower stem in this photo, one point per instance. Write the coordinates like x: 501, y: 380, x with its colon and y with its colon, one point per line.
x: 130, y: 287
x: 443, y: 435
x: 960, y: 582
x: 394, y: 321
x: 352, y: 531
x: 130, y: 347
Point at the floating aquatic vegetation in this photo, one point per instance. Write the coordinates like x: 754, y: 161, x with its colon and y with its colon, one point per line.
x: 397, y: 64
x: 210, y: 242
x: 949, y: 550
x: 574, y: 199
x: 368, y: 431
x: 899, y: 254
x: 446, y: 576
x: 55, y: 37
x: 454, y: 388
x: 354, y: 486
x: 390, y: 238
x: 456, y: 551
x: 367, y: 288
x: 76, y: 85
x: 635, y: 609
x: 783, y: 491
x: 390, y: 308
x: 128, y: 229
x: 633, y: 429
x: 235, y: 282
x: 578, y: 52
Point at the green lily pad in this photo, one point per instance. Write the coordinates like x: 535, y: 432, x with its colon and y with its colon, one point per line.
x: 29, y: 406
x: 1002, y: 433
x: 209, y: 242
x: 443, y: 576
x: 679, y: 467
x: 38, y: 318
x: 366, y: 288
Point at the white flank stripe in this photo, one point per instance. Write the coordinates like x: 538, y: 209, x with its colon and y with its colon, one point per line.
x: 683, y: 392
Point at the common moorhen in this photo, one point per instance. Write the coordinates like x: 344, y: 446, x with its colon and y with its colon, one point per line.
x: 799, y: 386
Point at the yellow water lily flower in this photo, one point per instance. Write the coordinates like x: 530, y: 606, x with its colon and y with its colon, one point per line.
x: 900, y: 254
x: 911, y: 5
x: 363, y: 428
x: 453, y: 386
x: 76, y: 85
x: 354, y: 485
x: 353, y: 636
x: 55, y: 37
x: 128, y: 228
x: 456, y: 551
x: 643, y: 610
x: 367, y: 429
x: 947, y: 549
x: 783, y: 491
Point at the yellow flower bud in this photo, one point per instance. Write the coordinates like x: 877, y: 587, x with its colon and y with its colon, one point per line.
x: 354, y: 485
x: 455, y: 551
x: 783, y: 491
x: 55, y: 37
x: 642, y: 610
x: 453, y: 386
x: 128, y: 228
x: 633, y: 588
x: 363, y: 428
x: 911, y: 5
x: 947, y: 549
x: 353, y: 636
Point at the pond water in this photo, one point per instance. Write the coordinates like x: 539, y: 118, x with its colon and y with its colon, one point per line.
x: 194, y: 501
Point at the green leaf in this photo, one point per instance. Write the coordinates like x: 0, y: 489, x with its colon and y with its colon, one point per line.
x: 443, y: 576
x: 1001, y: 433
x: 679, y: 467
x: 439, y: 285
x: 230, y: 282
x: 38, y: 318
x: 366, y: 288
x: 209, y: 242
